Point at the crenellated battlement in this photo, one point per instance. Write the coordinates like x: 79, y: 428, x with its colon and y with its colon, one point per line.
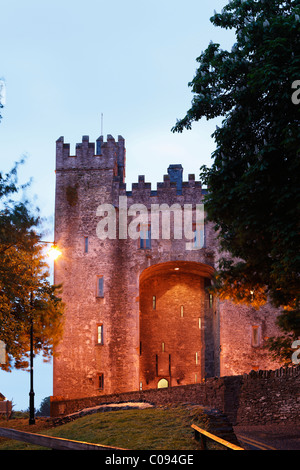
x: 110, y: 155
x: 172, y: 186
x: 92, y: 155
x: 87, y: 148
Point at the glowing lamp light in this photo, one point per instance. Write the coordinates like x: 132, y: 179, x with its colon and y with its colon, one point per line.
x: 53, y: 253
x: 176, y: 269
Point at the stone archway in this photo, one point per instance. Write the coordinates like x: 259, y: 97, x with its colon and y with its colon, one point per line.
x: 174, y: 309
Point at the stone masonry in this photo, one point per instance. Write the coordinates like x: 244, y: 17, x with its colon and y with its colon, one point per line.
x: 138, y: 313
x: 258, y: 398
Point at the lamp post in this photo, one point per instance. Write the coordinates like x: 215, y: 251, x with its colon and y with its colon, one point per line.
x: 53, y: 253
x: 31, y: 393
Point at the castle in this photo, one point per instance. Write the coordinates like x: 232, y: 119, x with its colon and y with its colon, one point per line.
x: 138, y: 313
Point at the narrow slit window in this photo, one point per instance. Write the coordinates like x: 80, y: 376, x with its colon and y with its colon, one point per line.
x: 100, y: 286
x: 181, y: 311
x: 163, y: 347
x: 86, y: 244
x: 100, y: 381
x: 198, y: 241
x: 210, y: 300
x: 145, y: 237
x: 255, y: 336
x: 199, y: 323
x: 100, y: 334
x: 154, y: 302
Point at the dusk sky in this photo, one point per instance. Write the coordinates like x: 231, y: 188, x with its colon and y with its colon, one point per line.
x: 64, y: 63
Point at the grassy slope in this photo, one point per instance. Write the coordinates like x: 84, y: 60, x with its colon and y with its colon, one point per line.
x: 148, y: 429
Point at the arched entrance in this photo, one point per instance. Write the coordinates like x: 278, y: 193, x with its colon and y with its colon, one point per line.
x: 174, y: 309
x: 163, y: 383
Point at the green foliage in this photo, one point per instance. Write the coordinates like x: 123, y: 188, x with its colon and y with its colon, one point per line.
x: 253, y: 182
x: 25, y: 291
x: 44, y: 409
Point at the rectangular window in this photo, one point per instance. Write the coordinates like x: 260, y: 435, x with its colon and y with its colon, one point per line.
x: 181, y: 311
x: 255, y: 336
x: 145, y: 237
x: 199, y: 320
x: 100, y: 381
x: 100, y: 334
x: 154, y: 302
x: 86, y: 244
x: 210, y: 300
x: 198, y: 241
x: 197, y: 358
x: 100, y: 286
x: 162, y: 347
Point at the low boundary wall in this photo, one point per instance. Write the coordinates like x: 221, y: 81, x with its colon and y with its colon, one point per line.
x: 260, y: 397
x: 6, y: 408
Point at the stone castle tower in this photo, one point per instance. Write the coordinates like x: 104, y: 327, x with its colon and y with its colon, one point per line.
x: 138, y: 314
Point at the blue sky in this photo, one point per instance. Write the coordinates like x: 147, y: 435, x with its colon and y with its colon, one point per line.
x: 64, y: 63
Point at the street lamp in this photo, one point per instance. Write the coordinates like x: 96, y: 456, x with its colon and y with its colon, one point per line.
x: 53, y: 254
x: 31, y: 393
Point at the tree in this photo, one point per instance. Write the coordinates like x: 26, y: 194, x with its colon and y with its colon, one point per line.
x: 25, y: 292
x: 253, y: 182
x: 44, y: 409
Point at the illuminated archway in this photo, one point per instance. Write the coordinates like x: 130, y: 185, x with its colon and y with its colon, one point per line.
x: 176, y: 323
x: 163, y: 383
x: 190, y: 267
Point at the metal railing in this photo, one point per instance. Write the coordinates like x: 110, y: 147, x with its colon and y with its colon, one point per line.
x: 59, y: 443
x: 202, y: 436
x: 56, y: 443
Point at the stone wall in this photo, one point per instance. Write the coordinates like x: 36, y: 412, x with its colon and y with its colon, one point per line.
x: 243, y: 337
x: 83, y: 366
x: 263, y: 397
x: 210, y: 339
x: 269, y: 397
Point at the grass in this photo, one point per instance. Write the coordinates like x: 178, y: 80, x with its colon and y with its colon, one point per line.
x: 164, y: 428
